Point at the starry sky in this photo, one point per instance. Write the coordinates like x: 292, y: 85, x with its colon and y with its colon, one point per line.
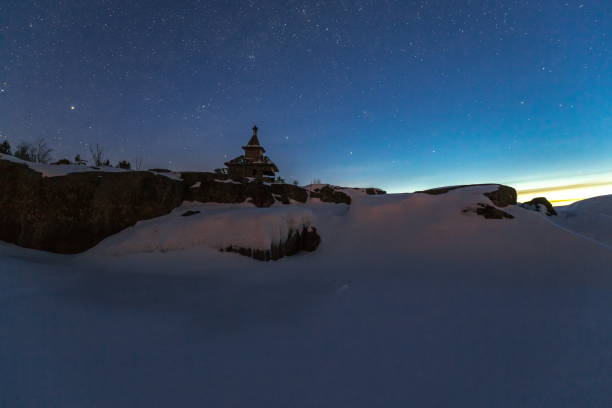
x: 402, y: 95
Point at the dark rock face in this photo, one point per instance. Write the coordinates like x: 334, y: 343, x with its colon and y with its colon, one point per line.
x: 489, y: 212
x: 540, y: 201
x: 189, y: 213
x: 287, y: 192
x: 72, y: 213
x: 329, y: 194
x: 222, y: 189
x: 503, y: 196
x: 306, y: 240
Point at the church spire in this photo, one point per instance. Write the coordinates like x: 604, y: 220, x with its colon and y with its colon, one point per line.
x: 254, y: 141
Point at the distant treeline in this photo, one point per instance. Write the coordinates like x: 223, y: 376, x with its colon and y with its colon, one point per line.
x: 39, y: 152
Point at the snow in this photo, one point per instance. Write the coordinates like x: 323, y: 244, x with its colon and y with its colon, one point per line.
x: 407, y: 302
x: 57, y: 170
x: 351, y: 191
x: 591, y: 218
x: 227, y: 181
x: 197, y: 184
x: 216, y: 226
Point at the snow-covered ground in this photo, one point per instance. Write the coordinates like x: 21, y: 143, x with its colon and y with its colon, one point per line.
x: 591, y: 218
x: 408, y: 302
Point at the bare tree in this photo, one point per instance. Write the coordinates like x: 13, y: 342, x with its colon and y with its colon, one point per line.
x: 42, y: 153
x: 138, y: 163
x: 37, y: 152
x: 97, y: 155
x: 23, y: 151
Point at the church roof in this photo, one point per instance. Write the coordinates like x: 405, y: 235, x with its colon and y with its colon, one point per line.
x: 254, y: 140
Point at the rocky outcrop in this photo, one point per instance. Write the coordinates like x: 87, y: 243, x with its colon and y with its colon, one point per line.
x: 287, y: 192
x: 330, y: 194
x: 211, y: 187
x: 72, y: 213
x: 306, y: 240
x: 540, y: 204
x: 503, y: 196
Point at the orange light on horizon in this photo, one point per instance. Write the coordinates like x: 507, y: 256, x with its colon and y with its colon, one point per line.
x: 567, y: 194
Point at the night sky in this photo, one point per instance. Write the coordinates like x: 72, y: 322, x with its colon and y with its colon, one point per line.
x: 401, y: 95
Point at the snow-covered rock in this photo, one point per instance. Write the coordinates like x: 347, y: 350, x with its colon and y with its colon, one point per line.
x: 263, y: 233
x: 540, y: 204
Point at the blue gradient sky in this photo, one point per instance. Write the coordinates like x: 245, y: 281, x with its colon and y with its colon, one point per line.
x: 398, y: 94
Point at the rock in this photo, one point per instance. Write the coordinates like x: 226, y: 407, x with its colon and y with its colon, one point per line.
x: 441, y: 190
x: 501, y: 197
x: 374, y: 191
x: 62, y: 161
x: 72, y: 213
x: 160, y: 170
x: 288, y: 192
x: 306, y: 240
x: 329, y: 194
x: 189, y: 213
x: 223, y: 189
x: 489, y: 212
x: 538, y: 204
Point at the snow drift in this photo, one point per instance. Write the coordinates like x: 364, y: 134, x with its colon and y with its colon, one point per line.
x: 262, y: 231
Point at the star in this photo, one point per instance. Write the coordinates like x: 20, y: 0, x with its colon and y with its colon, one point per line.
x: 72, y: 107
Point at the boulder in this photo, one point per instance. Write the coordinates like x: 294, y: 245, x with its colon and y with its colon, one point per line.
x: 540, y: 204
x: 503, y: 196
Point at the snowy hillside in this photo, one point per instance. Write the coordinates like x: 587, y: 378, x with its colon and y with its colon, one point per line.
x: 591, y: 218
x: 410, y: 300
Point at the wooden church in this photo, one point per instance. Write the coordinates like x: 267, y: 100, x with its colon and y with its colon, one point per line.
x: 253, y: 163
